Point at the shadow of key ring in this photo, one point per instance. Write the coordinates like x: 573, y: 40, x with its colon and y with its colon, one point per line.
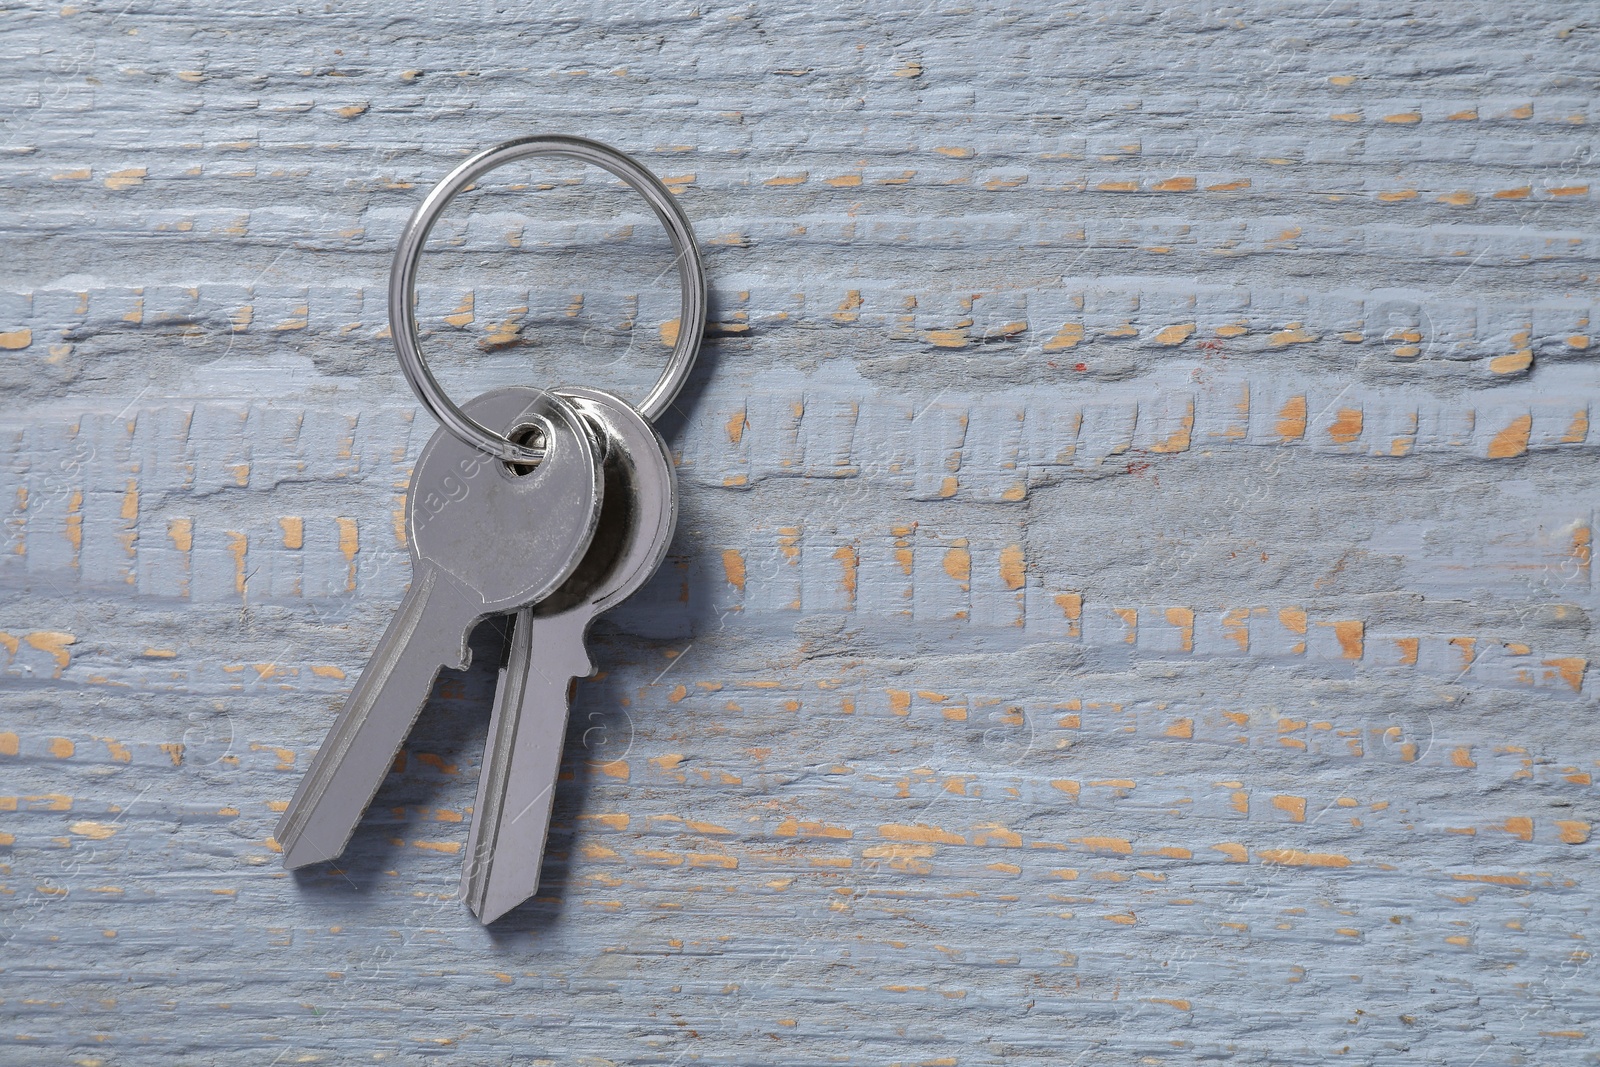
x: 403, y: 278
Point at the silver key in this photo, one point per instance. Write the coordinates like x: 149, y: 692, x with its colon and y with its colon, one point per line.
x: 505, y: 846
x: 485, y: 538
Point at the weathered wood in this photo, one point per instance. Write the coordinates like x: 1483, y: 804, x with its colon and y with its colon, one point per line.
x: 1133, y: 596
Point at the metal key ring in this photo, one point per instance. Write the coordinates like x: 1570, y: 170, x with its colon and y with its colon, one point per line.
x: 403, y: 277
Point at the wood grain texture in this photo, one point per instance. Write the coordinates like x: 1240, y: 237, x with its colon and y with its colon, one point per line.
x: 1133, y: 596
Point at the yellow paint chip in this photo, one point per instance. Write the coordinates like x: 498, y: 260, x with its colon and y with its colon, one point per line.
x: 449, y: 848
x: 1130, y: 619
x: 1346, y: 427
x: 1117, y: 846
x: 1071, y: 605
x: 1183, y: 619
x: 54, y: 643
x: 1292, y: 419
x: 958, y: 564
x: 920, y: 833
x: 849, y: 559
x: 238, y: 547
x: 1067, y: 337
x: 1235, y: 627
x: 711, y: 859
x: 349, y: 541
x: 1179, y: 439
x: 462, y: 316
x: 1175, y: 335
x: 1570, y: 669
x: 1289, y: 857
x: 130, y: 502
x: 951, y: 338
x: 1492, y: 879
x: 125, y: 179
x: 902, y: 857
x: 1513, y: 363
x: 1293, y: 334
x: 1350, y: 634
x: 1013, y: 566
x: 1513, y: 440
x: 849, y: 309
x: 733, y: 568
x: 792, y: 827
x: 1294, y: 807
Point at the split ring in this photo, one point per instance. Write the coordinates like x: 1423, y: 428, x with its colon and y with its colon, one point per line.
x: 403, y: 277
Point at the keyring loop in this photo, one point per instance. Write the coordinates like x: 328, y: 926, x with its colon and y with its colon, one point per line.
x: 403, y: 277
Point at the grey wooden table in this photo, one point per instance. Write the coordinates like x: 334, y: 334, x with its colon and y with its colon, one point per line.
x: 1133, y: 596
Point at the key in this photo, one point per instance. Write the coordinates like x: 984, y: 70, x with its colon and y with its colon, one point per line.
x: 485, y: 538
x: 522, y: 759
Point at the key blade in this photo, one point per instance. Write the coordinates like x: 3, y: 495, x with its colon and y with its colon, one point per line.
x: 427, y: 633
x: 522, y: 760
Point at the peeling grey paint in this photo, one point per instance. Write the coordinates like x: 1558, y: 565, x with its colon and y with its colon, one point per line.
x: 1132, y: 600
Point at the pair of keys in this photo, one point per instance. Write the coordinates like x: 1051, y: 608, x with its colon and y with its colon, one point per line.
x: 556, y: 505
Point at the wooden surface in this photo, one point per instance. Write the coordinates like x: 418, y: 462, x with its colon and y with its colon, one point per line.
x: 1133, y: 596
